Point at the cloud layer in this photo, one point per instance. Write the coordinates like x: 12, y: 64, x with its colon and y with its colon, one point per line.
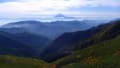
x: 26, y: 8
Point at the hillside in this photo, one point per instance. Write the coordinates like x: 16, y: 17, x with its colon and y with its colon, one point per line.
x: 10, y: 46
x: 67, y: 43
x: 20, y: 62
x: 34, y: 41
x: 103, y: 53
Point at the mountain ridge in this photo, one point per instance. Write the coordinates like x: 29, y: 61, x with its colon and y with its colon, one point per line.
x: 46, y: 29
x: 63, y: 45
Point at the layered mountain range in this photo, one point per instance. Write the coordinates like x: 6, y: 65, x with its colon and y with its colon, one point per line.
x: 82, y: 44
x: 50, y: 30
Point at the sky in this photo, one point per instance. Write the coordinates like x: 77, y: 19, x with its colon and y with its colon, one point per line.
x: 39, y: 8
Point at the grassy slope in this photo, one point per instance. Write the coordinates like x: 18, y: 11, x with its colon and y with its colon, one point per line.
x: 19, y: 62
x: 101, y: 55
x: 104, y: 52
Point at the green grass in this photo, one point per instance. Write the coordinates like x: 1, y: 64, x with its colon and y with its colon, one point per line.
x: 19, y: 62
x: 101, y: 55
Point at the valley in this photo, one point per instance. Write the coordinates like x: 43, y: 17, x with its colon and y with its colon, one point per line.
x: 96, y: 47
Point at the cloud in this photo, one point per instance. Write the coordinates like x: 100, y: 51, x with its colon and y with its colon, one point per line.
x: 21, y: 8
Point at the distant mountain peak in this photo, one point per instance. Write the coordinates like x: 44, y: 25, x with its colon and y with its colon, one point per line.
x: 63, y: 16
x: 60, y: 15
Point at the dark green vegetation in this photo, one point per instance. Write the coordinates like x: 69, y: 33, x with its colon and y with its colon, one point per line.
x: 17, y: 62
x: 10, y: 46
x: 102, y: 50
x: 22, y: 44
x: 101, y: 55
x: 65, y: 44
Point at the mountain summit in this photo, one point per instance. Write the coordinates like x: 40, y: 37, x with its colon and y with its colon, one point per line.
x: 62, y: 16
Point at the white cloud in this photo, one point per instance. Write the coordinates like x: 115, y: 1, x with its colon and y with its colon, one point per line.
x: 48, y: 7
x: 111, y: 3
